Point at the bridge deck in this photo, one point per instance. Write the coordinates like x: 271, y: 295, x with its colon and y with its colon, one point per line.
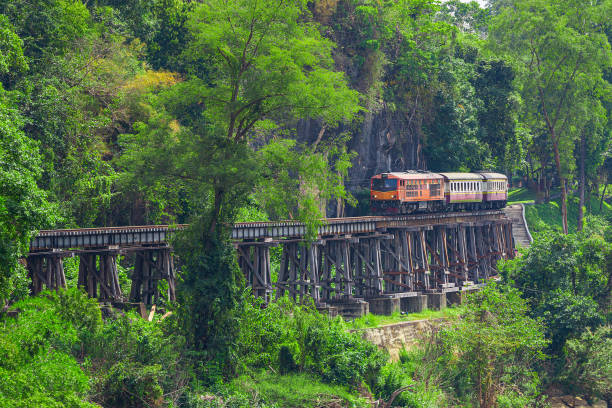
x: 274, y: 230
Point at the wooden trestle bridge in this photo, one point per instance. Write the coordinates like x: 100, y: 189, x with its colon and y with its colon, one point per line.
x: 352, y: 259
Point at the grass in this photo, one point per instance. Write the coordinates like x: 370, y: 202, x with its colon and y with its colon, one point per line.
x: 296, y: 390
x: 371, y: 320
x: 546, y: 216
x: 520, y: 195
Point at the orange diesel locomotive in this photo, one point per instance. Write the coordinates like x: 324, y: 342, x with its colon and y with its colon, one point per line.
x: 421, y: 191
x: 406, y: 192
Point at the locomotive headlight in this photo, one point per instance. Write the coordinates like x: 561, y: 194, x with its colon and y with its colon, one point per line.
x: 375, y: 196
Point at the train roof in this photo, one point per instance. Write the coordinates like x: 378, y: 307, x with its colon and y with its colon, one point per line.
x: 462, y: 176
x: 489, y: 176
x: 414, y: 175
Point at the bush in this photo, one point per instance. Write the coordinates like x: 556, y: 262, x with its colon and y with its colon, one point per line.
x: 291, y: 337
x: 588, y: 366
x: 36, y: 364
x: 126, y: 362
x: 566, y: 315
x: 495, y: 344
x: 145, y: 362
x: 131, y: 385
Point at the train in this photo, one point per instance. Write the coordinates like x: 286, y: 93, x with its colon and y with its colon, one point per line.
x: 416, y: 191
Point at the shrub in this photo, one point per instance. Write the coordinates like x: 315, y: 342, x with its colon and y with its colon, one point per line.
x: 495, y: 343
x: 283, y: 334
x: 131, y: 385
x: 145, y: 361
x: 566, y: 315
x: 36, y: 365
x: 588, y: 366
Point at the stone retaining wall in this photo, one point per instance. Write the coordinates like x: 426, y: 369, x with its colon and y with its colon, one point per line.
x: 394, y: 337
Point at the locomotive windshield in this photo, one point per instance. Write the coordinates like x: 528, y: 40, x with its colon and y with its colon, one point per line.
x: 379, y: 184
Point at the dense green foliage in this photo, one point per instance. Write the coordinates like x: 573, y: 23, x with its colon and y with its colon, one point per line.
x: 133, y: 112
x: 296, y: 338
x: 589, y: 363
x: 58, y: 352
x: 495, y: 344
x: 37, y: 366
x: 567, y: 282
x: 487, y: 357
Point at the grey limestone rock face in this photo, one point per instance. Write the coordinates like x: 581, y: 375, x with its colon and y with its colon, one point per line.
x: 383, y: 141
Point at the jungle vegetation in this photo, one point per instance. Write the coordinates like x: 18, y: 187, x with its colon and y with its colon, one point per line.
x: 175, y: 111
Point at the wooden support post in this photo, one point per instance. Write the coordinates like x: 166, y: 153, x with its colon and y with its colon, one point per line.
x: 378, y: 284
x: 313, y: 265
x: 283, y: 274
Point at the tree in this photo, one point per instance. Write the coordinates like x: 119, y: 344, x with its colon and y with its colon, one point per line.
x: 493, y: 85
x: 588, y: 367
x: 559, y: 49
x: 269, y: 64
x: 549, y: 264
x: 47, y: 27
x: 566, y: 315
x: 23, y: 206
x: 557, y: 262
x: 211, y: 141
x: 495, y: 342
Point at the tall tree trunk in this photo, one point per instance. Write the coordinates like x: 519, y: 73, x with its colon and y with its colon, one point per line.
x: 216, y: 211
x: 564, y: 205
x: 603, y: 194
x: 582, y: 181
x: 554, y: 138
x: 562, y: 180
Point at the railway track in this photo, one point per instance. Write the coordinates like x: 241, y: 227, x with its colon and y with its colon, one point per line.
x: 269, y: 230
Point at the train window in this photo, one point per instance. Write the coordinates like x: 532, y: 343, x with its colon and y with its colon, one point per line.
x: 384, y: 184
